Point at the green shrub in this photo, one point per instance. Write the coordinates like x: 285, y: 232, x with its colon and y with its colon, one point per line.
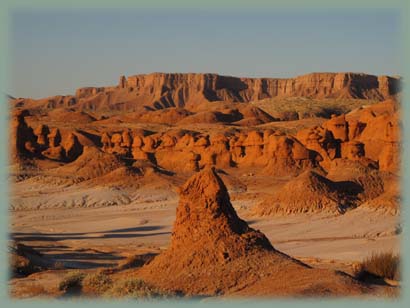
x: 382, y: 265
x: 134, y: 288
x: 71, y: 281
x: 97, y: 283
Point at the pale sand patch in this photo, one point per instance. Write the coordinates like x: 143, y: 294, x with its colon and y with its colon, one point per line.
x: 141, y: 225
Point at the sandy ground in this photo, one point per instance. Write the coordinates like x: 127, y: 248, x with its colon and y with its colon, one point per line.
x: 94, y: 237
x: 89, y: 227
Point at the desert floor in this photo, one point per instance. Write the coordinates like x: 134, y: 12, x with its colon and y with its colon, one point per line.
x: 96, y: 237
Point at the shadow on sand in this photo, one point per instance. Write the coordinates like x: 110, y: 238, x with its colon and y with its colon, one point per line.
x: 67, y: 257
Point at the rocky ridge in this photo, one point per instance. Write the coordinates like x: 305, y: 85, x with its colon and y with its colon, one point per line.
x: 163, y: 90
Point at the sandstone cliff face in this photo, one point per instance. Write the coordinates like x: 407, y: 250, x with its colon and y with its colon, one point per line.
x: 189, y: 152
x: 22, y: 138
x: 41, y: 142
x: 163, y: 90
x: 182, y: 89
x: 370, y: 136
x: 371, y: 141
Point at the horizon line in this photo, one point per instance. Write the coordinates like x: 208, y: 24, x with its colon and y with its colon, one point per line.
x: 396, y: 76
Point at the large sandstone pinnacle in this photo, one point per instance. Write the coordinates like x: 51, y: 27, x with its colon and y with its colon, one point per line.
x: 206, y: 220
x: 208, y: 239
x: 214, y: 252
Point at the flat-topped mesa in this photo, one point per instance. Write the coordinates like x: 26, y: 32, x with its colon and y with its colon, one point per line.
x: 163, y: 90
x: 180, y: 89
x: 91, y: 91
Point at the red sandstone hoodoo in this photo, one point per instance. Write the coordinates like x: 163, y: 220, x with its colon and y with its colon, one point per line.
x: 214, y: 252
x: 222, y: 130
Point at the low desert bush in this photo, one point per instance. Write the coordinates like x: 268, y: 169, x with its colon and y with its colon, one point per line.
x: 381, y: 265
x: 134, y: 288
x: 33, y: 290
x: 72, y: 281
x: 97, y: 283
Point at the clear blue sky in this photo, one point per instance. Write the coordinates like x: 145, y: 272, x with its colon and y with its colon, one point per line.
x: 55, y: 52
